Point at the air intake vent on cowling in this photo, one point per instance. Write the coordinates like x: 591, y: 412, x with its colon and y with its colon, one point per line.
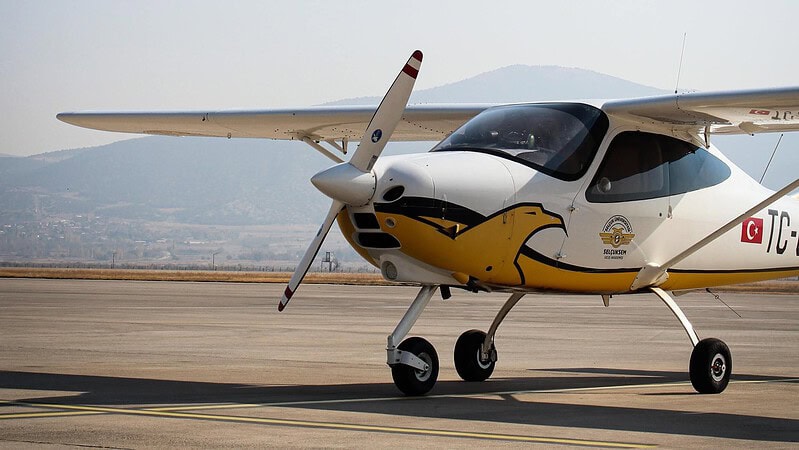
x: 393, y: 193
x: 377, y: 240
x: 366, y: 221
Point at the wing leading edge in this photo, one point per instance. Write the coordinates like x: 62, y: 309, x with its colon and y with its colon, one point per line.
x: 419, y: 123
x: 729, y: 112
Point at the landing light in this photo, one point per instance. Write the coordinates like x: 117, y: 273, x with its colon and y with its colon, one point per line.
x: 390, y: 271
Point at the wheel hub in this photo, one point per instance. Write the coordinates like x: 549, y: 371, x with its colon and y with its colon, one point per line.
x: 480, y: 362
x: 718, y: 367
x: 424, y: 375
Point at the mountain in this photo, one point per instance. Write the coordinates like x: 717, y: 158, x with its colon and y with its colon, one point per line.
x: 520, y: 83
x: 187, y: 180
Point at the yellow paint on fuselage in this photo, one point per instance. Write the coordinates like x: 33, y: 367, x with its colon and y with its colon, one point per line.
x: 687, y: 280
x: 548, y: 277
x: 541, y: 276
x: 491, y: 253
x: 485, y: 251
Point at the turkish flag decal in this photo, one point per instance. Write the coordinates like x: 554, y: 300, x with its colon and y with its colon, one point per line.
x: 752, y: 230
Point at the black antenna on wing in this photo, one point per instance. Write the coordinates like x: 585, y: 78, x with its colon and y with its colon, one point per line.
x: 772, y: 157
x: 679, y: 68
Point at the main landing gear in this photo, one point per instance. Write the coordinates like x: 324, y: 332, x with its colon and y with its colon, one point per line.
x: 414, y: 362
x: 711, y: 361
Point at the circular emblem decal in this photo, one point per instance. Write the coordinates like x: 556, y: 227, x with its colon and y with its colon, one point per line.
x: 377, y: 135
x: 617, y: 232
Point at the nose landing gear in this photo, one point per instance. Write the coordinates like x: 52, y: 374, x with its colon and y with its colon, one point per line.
x: 413, y: 381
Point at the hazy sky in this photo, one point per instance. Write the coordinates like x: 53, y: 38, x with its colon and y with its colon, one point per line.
x: 75, y: 55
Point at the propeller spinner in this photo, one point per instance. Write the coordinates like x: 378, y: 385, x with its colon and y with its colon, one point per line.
x: 353, y: 183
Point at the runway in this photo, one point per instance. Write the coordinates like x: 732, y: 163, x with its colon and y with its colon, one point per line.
x: 116, y: 364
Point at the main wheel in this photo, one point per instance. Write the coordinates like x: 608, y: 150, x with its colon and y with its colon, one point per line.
x: 711, y: 366
x: 468, y: 363
x: 412, y: 381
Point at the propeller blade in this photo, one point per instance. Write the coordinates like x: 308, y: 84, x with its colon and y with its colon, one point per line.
x: 348, y: 183
x: 387, y: 116
x: 310, y: 254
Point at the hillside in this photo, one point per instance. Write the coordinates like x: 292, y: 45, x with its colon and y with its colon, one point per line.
x: 519, y: 83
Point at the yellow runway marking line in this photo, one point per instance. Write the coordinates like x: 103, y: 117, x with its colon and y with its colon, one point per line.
x: 430, y: 397
x: 38, y: 415
x: 342, y: 426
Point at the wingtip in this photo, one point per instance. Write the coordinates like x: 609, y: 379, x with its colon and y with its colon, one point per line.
x: 417, y: 55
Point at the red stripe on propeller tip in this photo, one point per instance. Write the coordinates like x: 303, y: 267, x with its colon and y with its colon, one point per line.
x: 410, y: 71
x: 288, y: 293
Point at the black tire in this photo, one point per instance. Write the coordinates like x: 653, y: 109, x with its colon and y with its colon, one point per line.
x: 409, y: 380
x: 711, y: 366
x: 468, y: 363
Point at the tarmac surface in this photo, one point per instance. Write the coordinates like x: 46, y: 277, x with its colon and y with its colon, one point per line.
x: 120, y: 364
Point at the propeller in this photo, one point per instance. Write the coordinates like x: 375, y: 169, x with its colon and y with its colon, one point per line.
x: 353, y: 183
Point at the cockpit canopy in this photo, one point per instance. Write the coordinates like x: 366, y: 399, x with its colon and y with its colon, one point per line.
x: 559, y: 139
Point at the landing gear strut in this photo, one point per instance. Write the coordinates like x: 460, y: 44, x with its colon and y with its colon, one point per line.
x: 711, y: 361
x: 475, y: 353
x: 414, y: 363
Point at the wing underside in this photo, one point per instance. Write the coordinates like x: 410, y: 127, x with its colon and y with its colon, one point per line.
x: 419, y: 123
x: 732, y: 112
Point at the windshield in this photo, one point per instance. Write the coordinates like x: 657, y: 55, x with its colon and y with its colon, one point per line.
x: 559, y: 139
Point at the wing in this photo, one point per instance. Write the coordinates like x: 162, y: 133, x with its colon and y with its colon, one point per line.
x: 419, y: 123
x: 731, y: 112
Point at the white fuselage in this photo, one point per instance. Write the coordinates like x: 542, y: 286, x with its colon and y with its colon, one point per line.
x: 459, y: 220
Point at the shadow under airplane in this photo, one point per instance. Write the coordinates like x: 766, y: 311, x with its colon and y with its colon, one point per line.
x: 451, y: 400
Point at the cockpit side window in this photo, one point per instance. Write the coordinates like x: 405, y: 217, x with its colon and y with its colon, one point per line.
x: 641, y: 166
x: 559, y: 139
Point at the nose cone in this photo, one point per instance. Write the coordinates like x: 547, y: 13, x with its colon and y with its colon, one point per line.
x: 346, y: 183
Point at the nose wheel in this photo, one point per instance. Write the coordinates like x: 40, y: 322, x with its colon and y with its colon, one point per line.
x: 416, y: 381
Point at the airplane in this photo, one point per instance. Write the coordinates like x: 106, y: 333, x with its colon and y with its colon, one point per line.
x: 607, y: 198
